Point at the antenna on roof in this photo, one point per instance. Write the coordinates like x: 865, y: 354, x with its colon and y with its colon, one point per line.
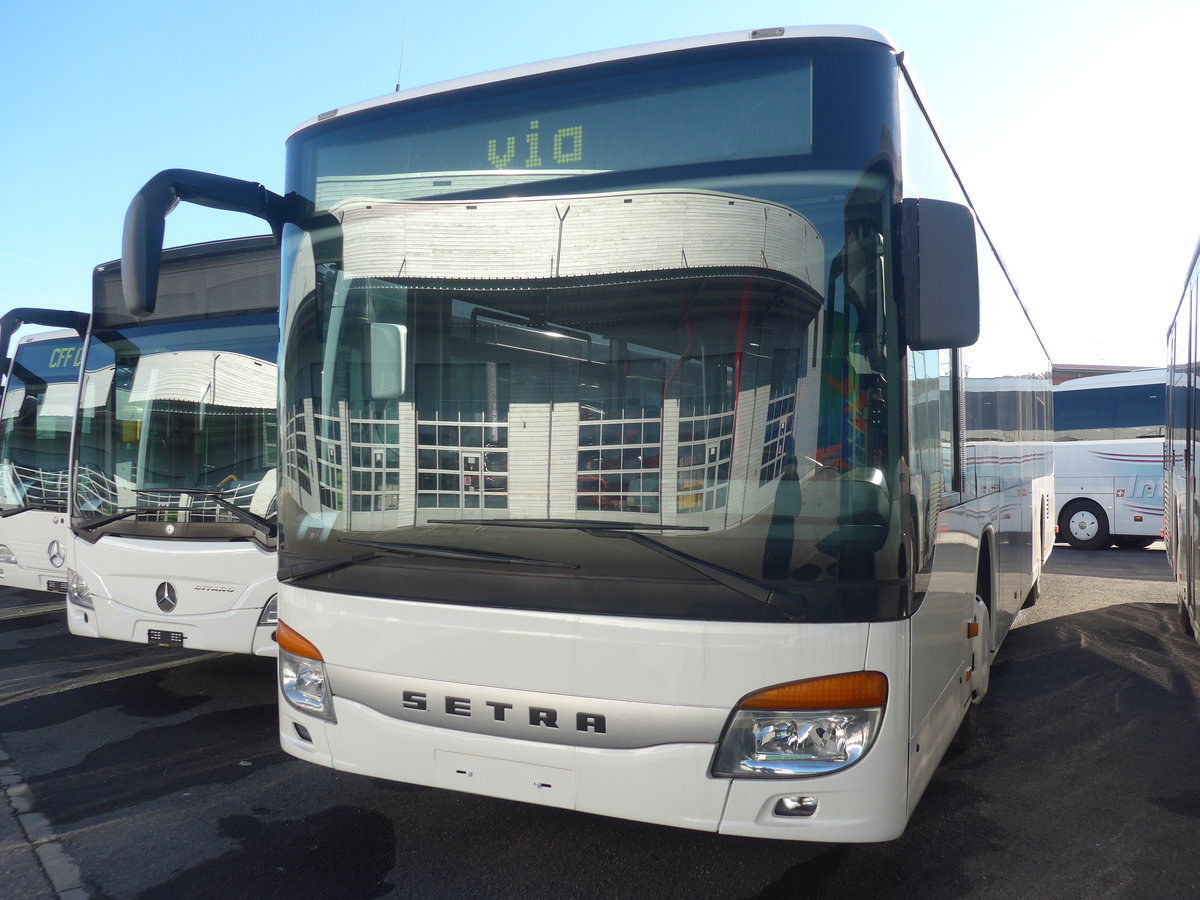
x: 403, y: 47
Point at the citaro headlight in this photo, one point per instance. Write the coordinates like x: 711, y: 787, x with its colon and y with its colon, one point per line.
x: 78, y: 591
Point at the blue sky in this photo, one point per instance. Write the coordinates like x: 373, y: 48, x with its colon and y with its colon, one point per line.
x: 1074, y: 124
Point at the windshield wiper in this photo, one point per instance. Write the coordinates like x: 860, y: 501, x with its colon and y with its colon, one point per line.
x: 263, y: 526
x: 789, y: 604
x: 42, y: 505
x: 384, y: 548
x: 571, y: 524
x: 124, y: 513
x: 416, y: 550
x: 318, y: 566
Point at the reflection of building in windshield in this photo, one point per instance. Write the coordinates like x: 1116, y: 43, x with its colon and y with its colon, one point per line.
x: 184, y: 420
x: 333, y: 191
x: 35, y: 423
x: 564, y: 357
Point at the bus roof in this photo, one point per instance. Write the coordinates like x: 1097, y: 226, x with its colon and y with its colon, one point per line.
x: 856, y: 32
x: 57, y: 335
x: 1115, y: 379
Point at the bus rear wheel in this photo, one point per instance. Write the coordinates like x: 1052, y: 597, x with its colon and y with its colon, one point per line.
x: 1084, y: 525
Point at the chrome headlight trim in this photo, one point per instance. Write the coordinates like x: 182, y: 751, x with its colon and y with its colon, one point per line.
x: 304, y: 685
x: 78, y: 591
x: 795, y: 743
x: 270, y: 611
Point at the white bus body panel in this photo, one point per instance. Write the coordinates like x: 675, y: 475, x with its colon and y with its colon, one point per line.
x: 1123, y: 477
x: 685, y: 676
x: 29, y: 535
x: 221, y: 586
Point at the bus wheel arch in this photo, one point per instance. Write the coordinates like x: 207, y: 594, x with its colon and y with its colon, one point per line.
x: 1185, y: 620
x: 985, y: 594
x: 980, y: 645
x: 1084, y: 525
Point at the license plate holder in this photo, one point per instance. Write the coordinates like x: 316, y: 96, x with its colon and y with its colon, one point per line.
x: 160, y: 638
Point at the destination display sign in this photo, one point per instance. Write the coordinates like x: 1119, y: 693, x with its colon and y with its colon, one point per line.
x: 697, y: 114
x: 50, y: 361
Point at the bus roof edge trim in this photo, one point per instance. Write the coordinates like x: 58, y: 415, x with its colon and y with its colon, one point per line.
x: 856, y: 32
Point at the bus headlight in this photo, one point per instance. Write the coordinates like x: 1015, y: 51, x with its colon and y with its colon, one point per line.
x: 270, y: 613
x: 304, y: 685
x: 6, y: 555
x: 804, y: 728
x: 302, y: 675
x: 78, y: 591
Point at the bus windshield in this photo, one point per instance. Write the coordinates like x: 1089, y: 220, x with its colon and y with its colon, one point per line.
x: 35, y: 424
x: 177, y: 423
x: 609, y: 346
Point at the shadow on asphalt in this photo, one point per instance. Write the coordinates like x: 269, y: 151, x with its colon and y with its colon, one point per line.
x: 1142, y: 565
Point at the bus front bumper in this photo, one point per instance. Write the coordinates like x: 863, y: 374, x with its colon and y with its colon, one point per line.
x: 666, y: 785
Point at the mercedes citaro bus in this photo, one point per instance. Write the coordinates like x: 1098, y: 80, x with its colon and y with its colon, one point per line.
x: 625, y: 461
x: 36, y: 415
x: 175, y: 455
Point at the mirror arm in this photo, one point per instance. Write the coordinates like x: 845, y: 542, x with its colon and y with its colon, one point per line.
x: 145, y: 222
x: 30, y: 315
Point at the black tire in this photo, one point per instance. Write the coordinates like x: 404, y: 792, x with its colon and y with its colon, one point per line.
x: 1084, y: 525
x: 968, y: 730
x: 1185, y: 621
x: 1131, y: 542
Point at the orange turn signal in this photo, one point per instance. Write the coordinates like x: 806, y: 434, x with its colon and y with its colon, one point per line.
x: 973, y: 628
x: 297, y: 644
x: 846, y: 691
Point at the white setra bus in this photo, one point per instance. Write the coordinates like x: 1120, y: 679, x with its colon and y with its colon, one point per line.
x: 625, y: 466
x: 1181, y: 503
x: 36, y: 414
x: 175, y: 454
x: 1108, y: 459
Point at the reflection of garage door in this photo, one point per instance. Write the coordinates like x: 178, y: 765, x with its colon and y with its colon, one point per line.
x: 461, y: 466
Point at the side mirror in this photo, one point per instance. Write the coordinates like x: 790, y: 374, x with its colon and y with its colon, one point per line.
x: 142, y: 239
x: 25, y: 315
x: 939, y: 274
x: 388, y: 361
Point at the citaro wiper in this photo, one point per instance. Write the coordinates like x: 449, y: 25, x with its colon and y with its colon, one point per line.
x: 421, y: 550
x: 42, y: 505
x: 264, y: 526
x: 123, y: 513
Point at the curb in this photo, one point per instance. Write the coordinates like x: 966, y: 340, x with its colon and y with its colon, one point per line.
x: 62, y: 875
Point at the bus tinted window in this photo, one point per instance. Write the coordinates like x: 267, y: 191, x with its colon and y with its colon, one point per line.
x: 1080, y: 414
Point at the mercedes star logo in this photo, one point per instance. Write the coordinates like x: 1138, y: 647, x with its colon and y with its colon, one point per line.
x: 56, y: 554
x: 166, y: 597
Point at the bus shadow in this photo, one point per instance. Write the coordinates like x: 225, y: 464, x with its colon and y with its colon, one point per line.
x: 1141, y: 565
